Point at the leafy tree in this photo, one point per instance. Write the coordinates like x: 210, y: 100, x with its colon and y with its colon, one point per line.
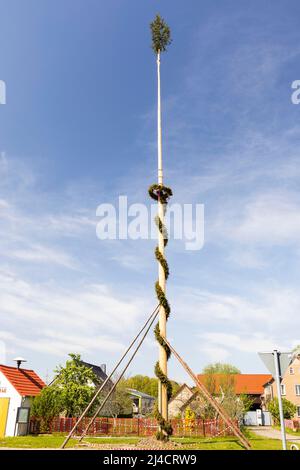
x: 143, y: 384
x: 247, y: 402
x: 289, y: 409
x: 296, y: 351
x: 175, y: 387
x: 220, y: 378
x: 232, y: 404
x: 120, y: 402
x: 220, y: 382
x: 46, y: 406
x: 220, y: 368
x: 201, y: 407
x: 146, y: 384
x: 76, y: 385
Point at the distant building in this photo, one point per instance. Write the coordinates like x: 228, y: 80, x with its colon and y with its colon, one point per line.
x: 290, y: 386
x: 244, y: 384
x: 99, y: 371
x: 179, y: 402
x: 251, y: 385
x: 142, y: 403
x: 17, y: 387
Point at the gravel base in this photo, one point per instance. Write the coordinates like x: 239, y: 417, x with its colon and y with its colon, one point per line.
x: 149, y: 443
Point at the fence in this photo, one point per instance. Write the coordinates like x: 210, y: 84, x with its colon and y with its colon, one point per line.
x: 136, y: 427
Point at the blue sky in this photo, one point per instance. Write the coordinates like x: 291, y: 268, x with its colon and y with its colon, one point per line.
x: 79, y: 129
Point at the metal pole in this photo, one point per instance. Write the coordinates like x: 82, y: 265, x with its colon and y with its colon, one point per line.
x: 162, y: 390
x: 277, y: 379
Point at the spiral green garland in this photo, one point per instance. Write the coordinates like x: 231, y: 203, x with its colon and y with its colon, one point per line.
x: 162, y: 193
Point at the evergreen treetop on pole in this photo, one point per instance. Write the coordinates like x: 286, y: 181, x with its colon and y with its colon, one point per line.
x: 161, y: 35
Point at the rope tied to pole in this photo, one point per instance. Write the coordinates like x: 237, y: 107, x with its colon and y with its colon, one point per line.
x: 162, y: 194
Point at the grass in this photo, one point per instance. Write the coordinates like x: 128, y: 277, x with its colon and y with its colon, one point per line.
x: 229, y: 443
x: 41, y: 441
x: 54, y: 441
x: 288, y: 430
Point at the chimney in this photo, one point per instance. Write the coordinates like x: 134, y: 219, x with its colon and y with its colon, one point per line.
x: 103, y: 367
x: 19, y: 361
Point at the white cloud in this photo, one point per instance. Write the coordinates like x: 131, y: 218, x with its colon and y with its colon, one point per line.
x: 211, y: 307
x: 269, y: 219
x: 251, y: 343
x: 248, y: 258
x: 54, y: 320
x: 42, y: 254
x: 2, y: 352
x: 3, y: 204
x: 214, y: 353
x: 61, y: 343
x: 264, y: 318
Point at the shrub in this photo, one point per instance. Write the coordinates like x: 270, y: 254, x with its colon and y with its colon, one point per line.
x: 289, y: 409
x: 46, y: 406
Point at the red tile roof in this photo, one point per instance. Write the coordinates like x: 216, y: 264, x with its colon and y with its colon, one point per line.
x: 25, y: 381
x: 251, y: 384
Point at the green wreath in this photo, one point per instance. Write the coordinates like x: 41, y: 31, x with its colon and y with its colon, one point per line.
x: 162, y: 193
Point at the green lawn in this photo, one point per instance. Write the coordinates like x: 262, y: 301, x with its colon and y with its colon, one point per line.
x: 40, y: 441
x: 288, y: 430
x: 54, y: 441
x: 229, y: 443
x: 221, y: 443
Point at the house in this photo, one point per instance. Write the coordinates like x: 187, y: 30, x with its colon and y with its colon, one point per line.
x: 17, y: 387
x: 243, y: 384
x: 100, y: 372
x: 142, y: 403
x: 179, y: 402
x: 290, y: 386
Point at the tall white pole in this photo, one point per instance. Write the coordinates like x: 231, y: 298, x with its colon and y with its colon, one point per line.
x: 159, y: 132
x: 277, y: 378
x: 162, y: 391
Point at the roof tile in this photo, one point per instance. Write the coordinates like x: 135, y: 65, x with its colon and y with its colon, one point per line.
x: 251, y: 384
x: 25, y: 381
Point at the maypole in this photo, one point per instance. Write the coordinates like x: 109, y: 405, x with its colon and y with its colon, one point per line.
x: 161, y: 194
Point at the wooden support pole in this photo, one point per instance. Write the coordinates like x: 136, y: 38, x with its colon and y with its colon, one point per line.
x: 226, y: 418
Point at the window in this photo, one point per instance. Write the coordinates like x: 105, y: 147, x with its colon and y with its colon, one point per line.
x: 297, y: 389
x: 282, y: 389
x: 298, y: 411
x: 291, y: 370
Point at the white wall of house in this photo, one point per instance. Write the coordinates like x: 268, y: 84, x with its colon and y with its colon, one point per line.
x: 8, y: 391
x: 176, y: 403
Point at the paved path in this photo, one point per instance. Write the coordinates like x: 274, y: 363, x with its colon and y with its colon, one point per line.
x: 268, y: 431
